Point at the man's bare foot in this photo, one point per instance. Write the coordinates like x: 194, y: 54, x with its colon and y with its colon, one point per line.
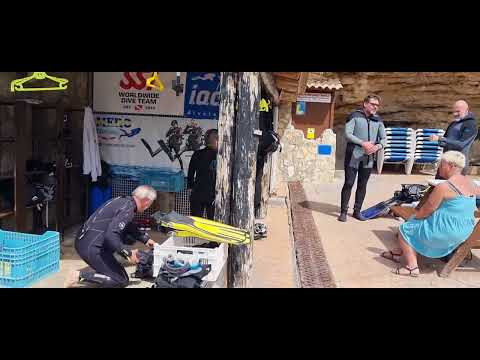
x: 72, y: 279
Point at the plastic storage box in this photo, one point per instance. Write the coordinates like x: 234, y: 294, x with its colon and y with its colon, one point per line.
x: 161, y: 179
x: 182, y: 249
x: 26, y: 258
x: 164, y: 181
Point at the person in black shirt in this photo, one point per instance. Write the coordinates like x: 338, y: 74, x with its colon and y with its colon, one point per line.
x: 460, y: 134
x: 202, y: 176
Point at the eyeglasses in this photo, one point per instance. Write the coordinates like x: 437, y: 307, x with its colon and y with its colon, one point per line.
x: 375, y: 104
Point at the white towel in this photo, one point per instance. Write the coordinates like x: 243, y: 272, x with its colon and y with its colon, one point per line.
x: 91, y: 151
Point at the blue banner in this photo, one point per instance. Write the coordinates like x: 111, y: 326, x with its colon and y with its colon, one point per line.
x: 202, y: 95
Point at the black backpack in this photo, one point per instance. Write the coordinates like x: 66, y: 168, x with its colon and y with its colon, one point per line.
x: 269, y: 142
x: 34, y: 195
x: 145, y: 266
x: 105, y: 180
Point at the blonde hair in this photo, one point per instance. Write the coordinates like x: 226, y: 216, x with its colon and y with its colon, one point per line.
x: 145, y: 192
x: 455, y: 158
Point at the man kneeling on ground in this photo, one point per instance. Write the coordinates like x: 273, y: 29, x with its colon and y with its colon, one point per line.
x: 107, y: 231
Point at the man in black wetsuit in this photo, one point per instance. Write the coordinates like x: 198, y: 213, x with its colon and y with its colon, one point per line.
x: 460, y: 134
x: 110, y: 229
x: 202, y: 176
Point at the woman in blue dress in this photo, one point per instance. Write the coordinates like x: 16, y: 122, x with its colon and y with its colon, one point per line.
x: 444, y: 222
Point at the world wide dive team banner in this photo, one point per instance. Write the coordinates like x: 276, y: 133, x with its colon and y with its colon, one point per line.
x: 159, y: 129
x: 129, y: 93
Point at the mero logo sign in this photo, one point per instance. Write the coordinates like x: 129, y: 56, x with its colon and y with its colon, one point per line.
x: 117, y: 122
x: 115, y: 128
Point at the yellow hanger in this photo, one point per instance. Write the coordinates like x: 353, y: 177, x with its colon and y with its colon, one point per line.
x: 155, y: 79
x: 17, y: 85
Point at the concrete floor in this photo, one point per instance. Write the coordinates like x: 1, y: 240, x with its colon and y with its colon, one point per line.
x: 353, y: 248
x: 71, y: 261
x: 273, y: 256
x: 273, y: 259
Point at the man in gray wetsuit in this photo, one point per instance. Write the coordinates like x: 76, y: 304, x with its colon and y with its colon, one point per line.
x: 365, y: 135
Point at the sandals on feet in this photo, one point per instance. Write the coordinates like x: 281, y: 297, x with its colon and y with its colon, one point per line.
x: 390, y: 255
x: 410, y: 272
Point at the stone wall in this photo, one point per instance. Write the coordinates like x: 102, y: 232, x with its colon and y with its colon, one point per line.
x: 414, y: 99
x: 284, y: 117
x: 300, y: 161
x: 417, y: 99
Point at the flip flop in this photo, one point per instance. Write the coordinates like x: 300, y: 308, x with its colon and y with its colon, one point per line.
x: 410, y: 271
x: 390, y: 255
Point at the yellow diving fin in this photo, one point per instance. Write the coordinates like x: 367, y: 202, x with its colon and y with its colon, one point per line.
x: 191, y: 226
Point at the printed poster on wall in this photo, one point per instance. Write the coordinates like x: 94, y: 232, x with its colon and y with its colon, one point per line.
x: 159, y: 142
x: 128, y: 93
x: 301, y: 107
x: 202, y: 95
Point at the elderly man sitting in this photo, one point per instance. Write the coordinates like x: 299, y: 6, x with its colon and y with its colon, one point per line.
x: 443, y: 222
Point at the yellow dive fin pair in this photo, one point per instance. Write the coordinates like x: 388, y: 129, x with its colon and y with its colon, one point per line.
x: 191, y: 226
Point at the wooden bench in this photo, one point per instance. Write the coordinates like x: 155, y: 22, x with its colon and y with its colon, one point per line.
x: 473, y: 242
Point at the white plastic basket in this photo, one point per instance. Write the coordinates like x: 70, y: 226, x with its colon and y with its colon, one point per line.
x: 182, y: 249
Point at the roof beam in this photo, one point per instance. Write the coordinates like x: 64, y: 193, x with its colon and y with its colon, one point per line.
x: 302, y: 83
x: 269, y: 83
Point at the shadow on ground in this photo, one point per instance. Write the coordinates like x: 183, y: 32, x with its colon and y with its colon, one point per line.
x: 427, y: 265
x: 387, y: 237
x: 324, y: 208
x: 69, y: 254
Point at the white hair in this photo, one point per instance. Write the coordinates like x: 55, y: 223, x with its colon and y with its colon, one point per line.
x: 145, y: 192
x: 456, y: 158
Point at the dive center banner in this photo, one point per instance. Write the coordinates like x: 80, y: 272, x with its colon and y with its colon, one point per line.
x: 128, y: 93
x: 202, y: 95
x: 159, y: 142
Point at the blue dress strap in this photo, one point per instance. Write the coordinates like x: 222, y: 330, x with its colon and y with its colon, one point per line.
x: 454, y: 188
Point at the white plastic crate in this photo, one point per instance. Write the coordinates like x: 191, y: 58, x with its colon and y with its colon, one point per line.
x: 182, y: 249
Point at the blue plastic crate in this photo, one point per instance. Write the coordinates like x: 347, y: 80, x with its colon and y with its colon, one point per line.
x: 164, y: 181
x: 26, y: 258
x: 133, y: 173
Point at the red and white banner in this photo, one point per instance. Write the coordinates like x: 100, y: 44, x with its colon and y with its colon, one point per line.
x: 128, y: 93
